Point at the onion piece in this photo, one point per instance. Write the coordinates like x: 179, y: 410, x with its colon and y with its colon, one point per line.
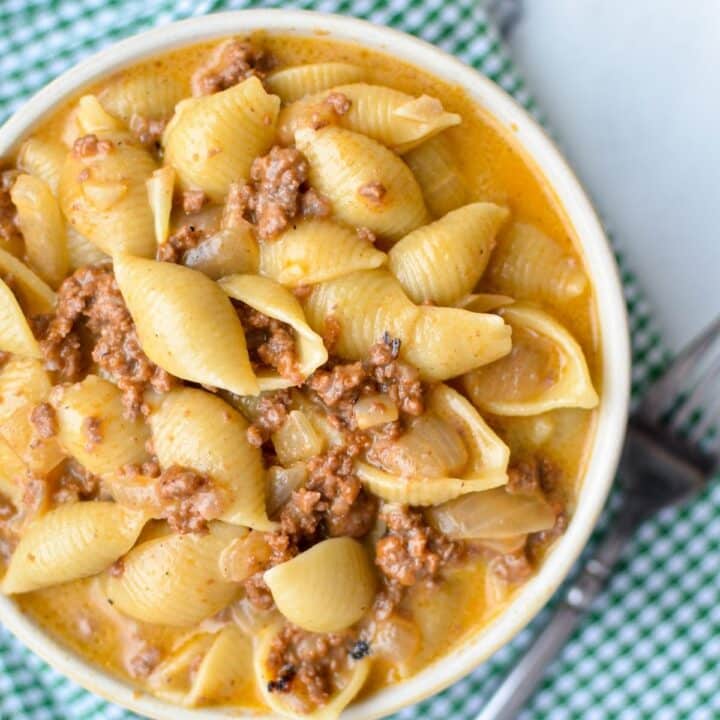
x: 492, y: 515
x: 282, y: 482
x: 297, y: 439
x: 374, y: 409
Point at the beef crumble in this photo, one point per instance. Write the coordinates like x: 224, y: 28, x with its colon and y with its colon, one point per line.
x: 339, y: 102
x: 373, y: 191
x: 44, y: 421
x: 73, y: 482
x: 92, y: 431
x: 189, y: 499
x: 174, y: 248
x: 142, y: 663
x: 148, y: 131
x: 270, y: 342
x: 277, y: 193
x: 307, y: 664
x: 231, y: 63
x: 89, y: 301
x: 193, y: 201
x: 271, y: 413
x: 89, y: 146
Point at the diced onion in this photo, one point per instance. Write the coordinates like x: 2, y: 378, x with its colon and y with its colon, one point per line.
x: 374, y: 410
x: 297, y: 439
x: 244, y: 557
x: 281, y: 484
x: 492, y: 515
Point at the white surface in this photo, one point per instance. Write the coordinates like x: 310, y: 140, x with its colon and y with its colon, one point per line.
x: 613, y: 409
x: 631, y: 89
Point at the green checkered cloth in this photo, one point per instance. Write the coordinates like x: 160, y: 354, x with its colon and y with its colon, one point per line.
x: 651, y: 647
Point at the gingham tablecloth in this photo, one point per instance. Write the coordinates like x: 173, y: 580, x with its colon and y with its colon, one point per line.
x: 651, y: 648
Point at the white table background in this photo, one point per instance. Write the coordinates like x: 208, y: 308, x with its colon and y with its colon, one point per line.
x: 632, y: 91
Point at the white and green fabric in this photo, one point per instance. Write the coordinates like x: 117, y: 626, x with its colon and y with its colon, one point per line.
x: 651, y: 648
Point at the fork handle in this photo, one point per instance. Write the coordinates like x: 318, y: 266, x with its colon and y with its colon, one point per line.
x: 513, y: 693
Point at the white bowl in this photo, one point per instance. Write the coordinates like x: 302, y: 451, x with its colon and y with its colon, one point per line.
x: 599, y: 261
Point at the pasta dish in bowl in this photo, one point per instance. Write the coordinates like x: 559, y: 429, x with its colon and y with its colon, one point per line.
x: 308, y: 361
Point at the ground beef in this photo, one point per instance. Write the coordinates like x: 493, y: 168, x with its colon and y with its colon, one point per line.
x: 117, y: 569
x: 339, y: 102
x: 373, y: 191
x: 366, y: 234
x: 10, y: 235
x: 307, y: 664
x: 193, y: 201
x: 148, y: 131
x: 149, y: 468
x: 331, y: 333
x: 189, y: 499
x: 396, y: 379
x: 73, y: 482
x: 91, y: 430
x: 271, y: 413
x: 270, y: 342
x: 278, y: 192
x: 89, y: 301
x: 44, y: 421
x: 142, y: 663
x: 89, y: 145
x: 523, y: 478
x: 231, y: 63
x: 511, y: 567
x: 339, y: 383
x: 174, y: 248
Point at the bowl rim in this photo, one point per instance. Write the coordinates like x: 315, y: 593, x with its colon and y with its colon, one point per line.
x: 599, y: 260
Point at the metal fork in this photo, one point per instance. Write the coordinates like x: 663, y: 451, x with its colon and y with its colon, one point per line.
x: 671, y: 451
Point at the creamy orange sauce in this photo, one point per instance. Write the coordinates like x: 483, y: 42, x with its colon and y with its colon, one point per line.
x: 495, y: 169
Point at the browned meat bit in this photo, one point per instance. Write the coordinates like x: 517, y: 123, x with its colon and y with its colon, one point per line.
x: 538, y: 542
x: 189, y: 499
x: 523, y: 478
x: 398, y: 380
x: 150, y: 468
x: 282, y: 548
x: 308, y: 664
x: 142, y: 663
x: 339, y: 102
x: 89, y: 146
x: 231, y: 63
x: 10, y: 236
x: 511, y: 567
x: 331, y: 334
x: 373, y: 191
x: 147, y: 130
x: 302, y: 292
x: 366, y: 234
x: 44, y: 421
x: 271, y: 343
x: 4, y: 358
x: 275, y: 195
x: 271, y: 414
x: 117, y: 569
x: 174, y: 248
x: 342, y: 382
x: 90, y: 300
x: 411, y: 551
x: 72, y: 482
x: 193, y: 201
x: 92, y: 431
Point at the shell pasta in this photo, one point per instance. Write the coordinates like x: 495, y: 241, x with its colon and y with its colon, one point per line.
x: 299, y: 373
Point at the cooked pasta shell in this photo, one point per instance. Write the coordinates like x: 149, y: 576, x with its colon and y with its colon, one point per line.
x: 485, y: 466
x: 103, y: 196
x: 40, y: 454
x: 15, y: 333
x: 296, y: 82
x: 484, y: 302
x: 443, y: 261
x: 447, y: 342
x: 195, y: 429
x: 34, y: 295
x: 12, y: 472
x: 396, y: 119
x: 186, y: 323
x: 172, y: 678
x: 92, y: 118
x: 43, y: 158
x: 313, y: 251
x: 226, y: 671
x: 72, y: 541
x: 81, y: 252
x: 281, y: 704
x: 147, y: 93
x: 545, y: 370
x: 327, y: 588
x: 160, y: 186
x: 173, y: 580
x: 529, y: 265
x: 368, y: 185
x: 211, y: 141
x: 23, y: 381
x: 275, y: 301
x: 43, y: 228
x: 228, y: 251
x: 115, y: 441
x: 436, y: 169
x: 365, y: 305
